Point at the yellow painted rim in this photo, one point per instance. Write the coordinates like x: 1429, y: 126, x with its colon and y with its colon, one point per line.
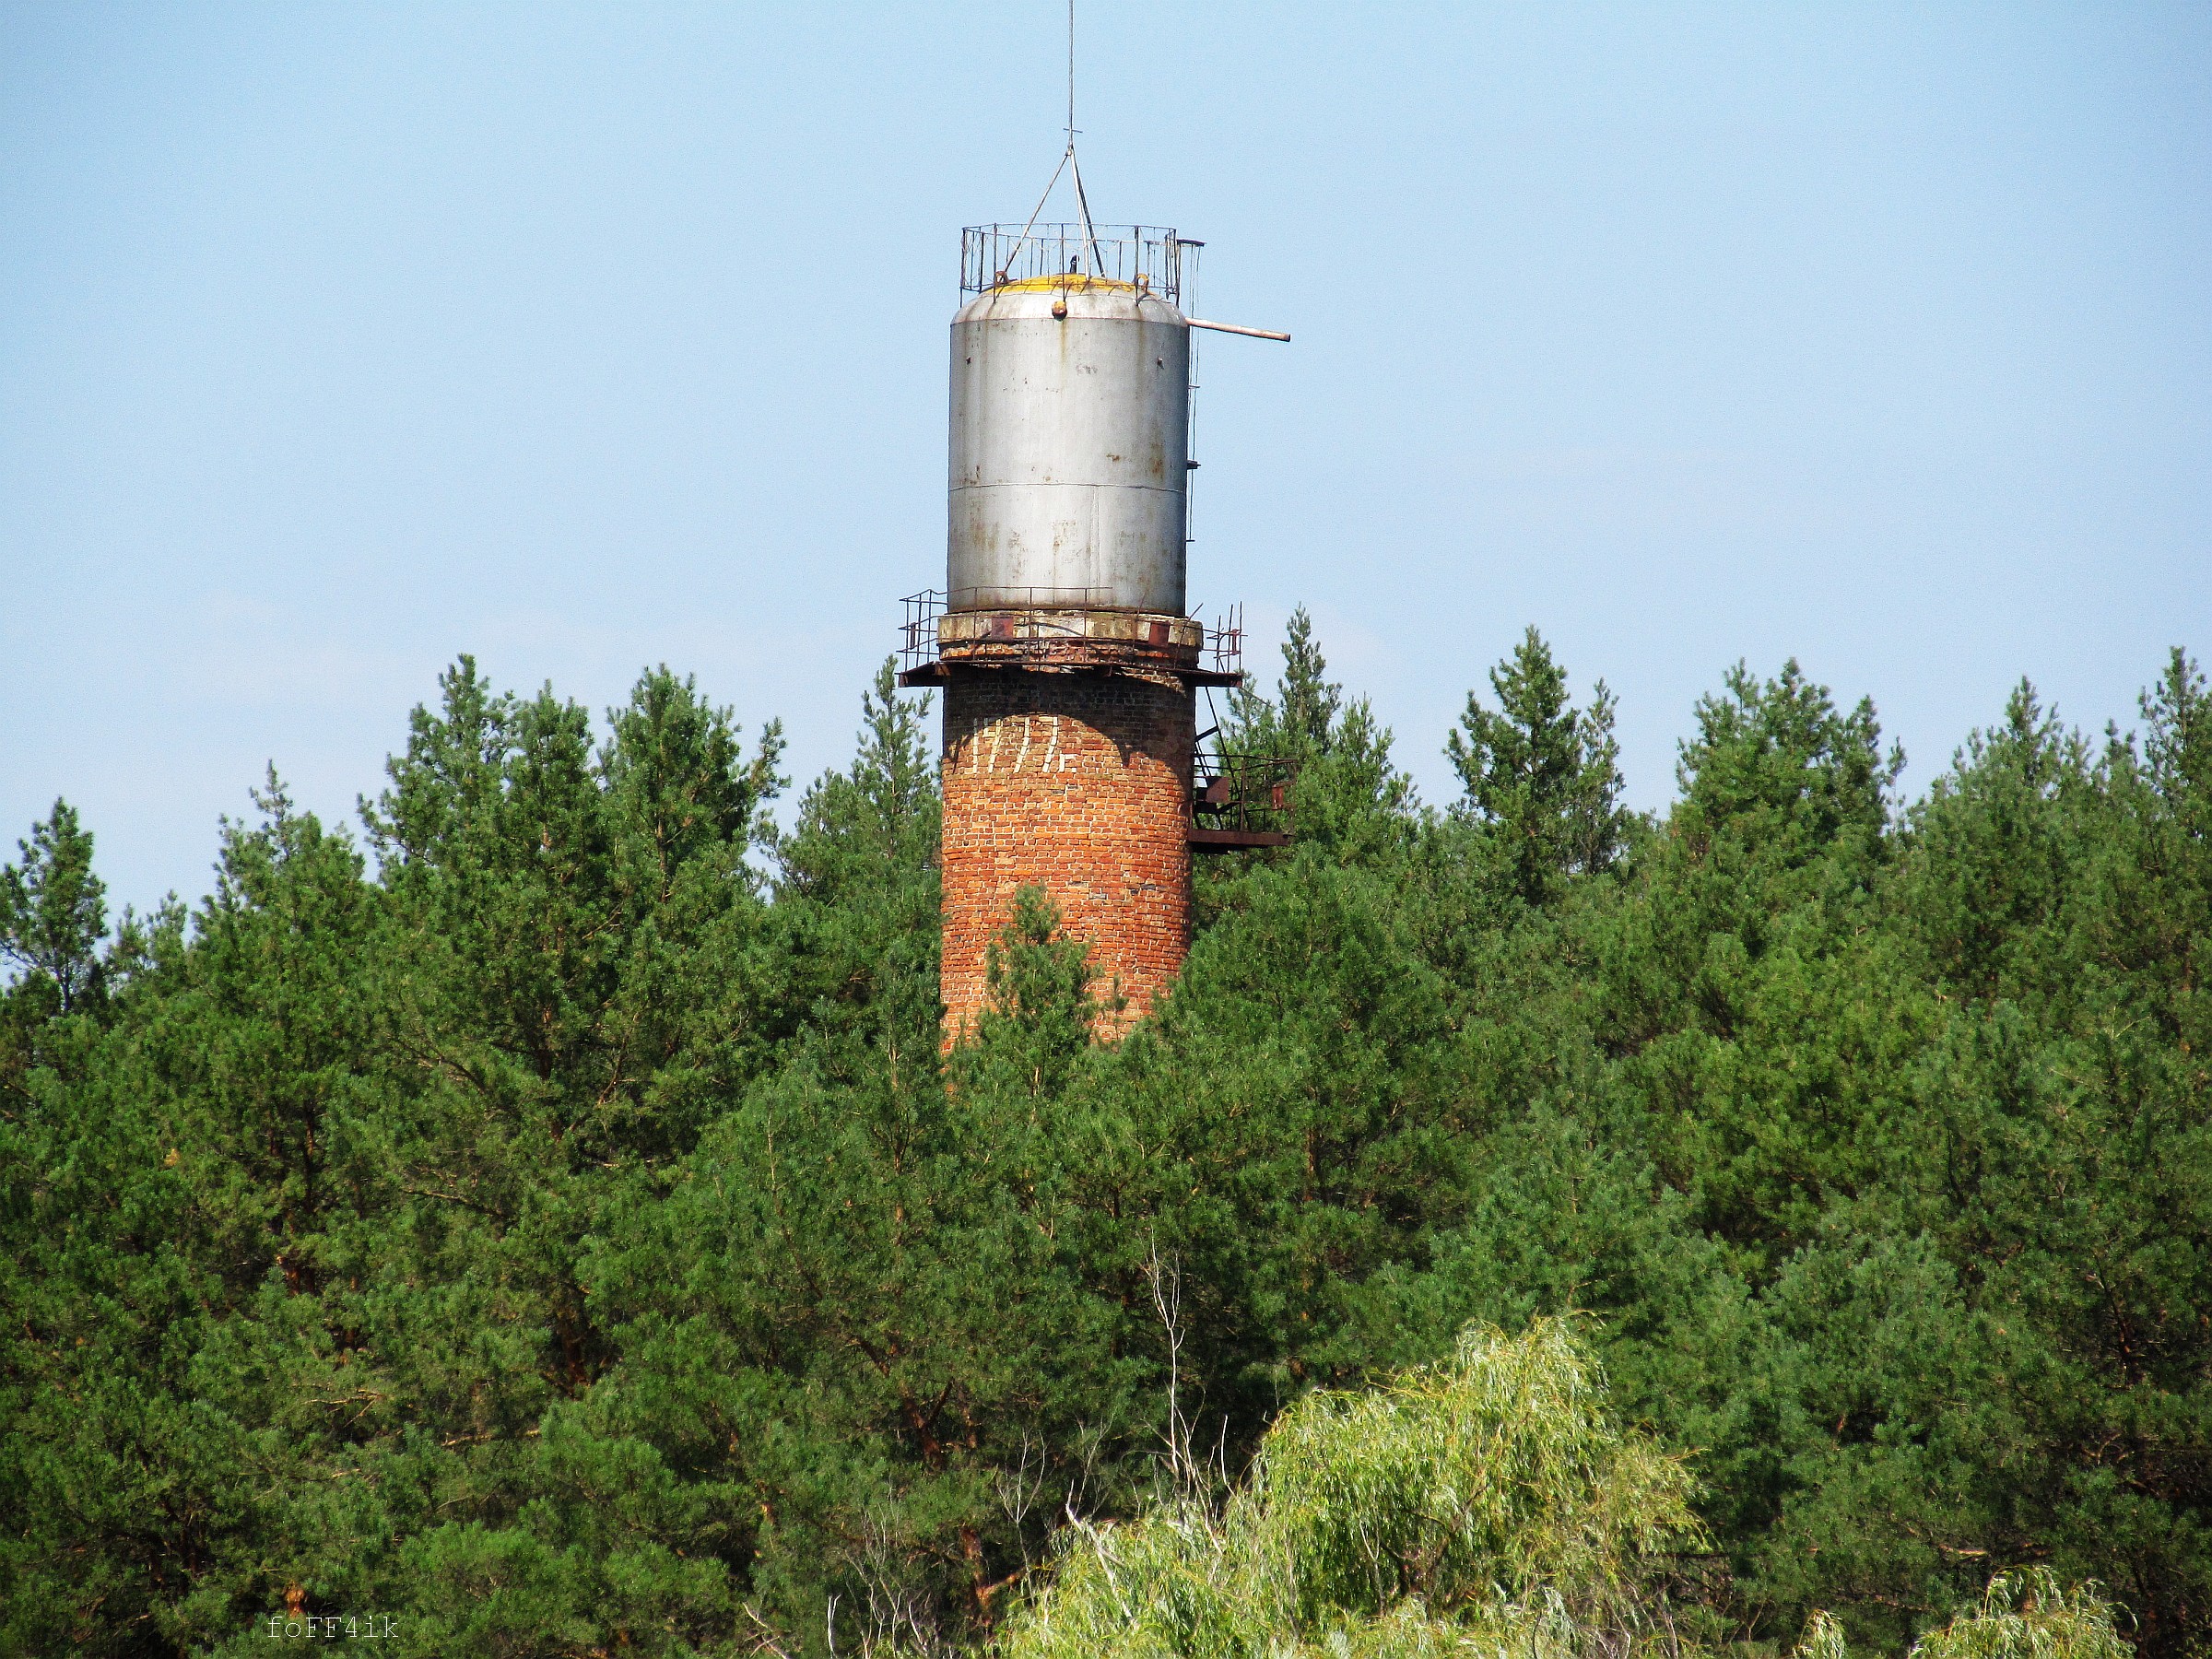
x: 1063, y: 282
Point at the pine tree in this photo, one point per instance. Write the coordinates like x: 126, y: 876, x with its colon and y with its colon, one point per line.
x: 1349, y: 798
x: 568, y: 1236
x: 53, y: 910
x: 1541, y: 775
x: 1042, y: 1001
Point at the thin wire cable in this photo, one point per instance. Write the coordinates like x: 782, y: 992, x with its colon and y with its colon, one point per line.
x: 1091, y: 235
x: 1047, y: 196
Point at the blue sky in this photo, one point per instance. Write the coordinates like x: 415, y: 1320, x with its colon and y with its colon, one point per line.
x: 337, y: 340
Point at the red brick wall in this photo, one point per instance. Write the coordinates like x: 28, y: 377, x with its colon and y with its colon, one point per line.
x: 1079, y: 783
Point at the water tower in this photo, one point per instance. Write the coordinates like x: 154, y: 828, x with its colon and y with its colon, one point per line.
x: 1061, y: 640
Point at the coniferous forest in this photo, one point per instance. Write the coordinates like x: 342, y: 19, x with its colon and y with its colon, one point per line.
x: 538, y: 1216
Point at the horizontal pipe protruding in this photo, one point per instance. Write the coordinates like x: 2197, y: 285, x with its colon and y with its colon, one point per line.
x: 1257, y: 333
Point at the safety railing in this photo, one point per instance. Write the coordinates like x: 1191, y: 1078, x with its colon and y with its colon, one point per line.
x: 1143, y: 257
x: 918, y: 637
x: 1222, y: 653
x: 1242, y: 800
x: 1225, y: 642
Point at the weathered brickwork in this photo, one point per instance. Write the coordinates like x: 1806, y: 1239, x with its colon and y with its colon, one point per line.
x: 1078, y: 784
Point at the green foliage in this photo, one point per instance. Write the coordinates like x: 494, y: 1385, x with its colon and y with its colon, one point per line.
x: 1541, y: 775
x: 855, y: 921
x: 53, y: 910
x: 2024, y: 1614
x: 1485, y: 1499
x: 1349, y: 798
x: 1040, y: 1006
x: 2030, y: 1615
x: 549, y: 1218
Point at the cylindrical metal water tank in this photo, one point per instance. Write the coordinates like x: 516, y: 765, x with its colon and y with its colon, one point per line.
x: 1070, y: 445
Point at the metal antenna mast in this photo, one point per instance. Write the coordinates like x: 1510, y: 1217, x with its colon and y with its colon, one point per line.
x: 1068, y: 164
x: 1091, y: 235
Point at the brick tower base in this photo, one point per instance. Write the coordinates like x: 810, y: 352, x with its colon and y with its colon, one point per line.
x: 1078, y: 784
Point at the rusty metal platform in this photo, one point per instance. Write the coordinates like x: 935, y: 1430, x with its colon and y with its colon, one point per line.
x: 1047, y: 639
x: 1203, y: 840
